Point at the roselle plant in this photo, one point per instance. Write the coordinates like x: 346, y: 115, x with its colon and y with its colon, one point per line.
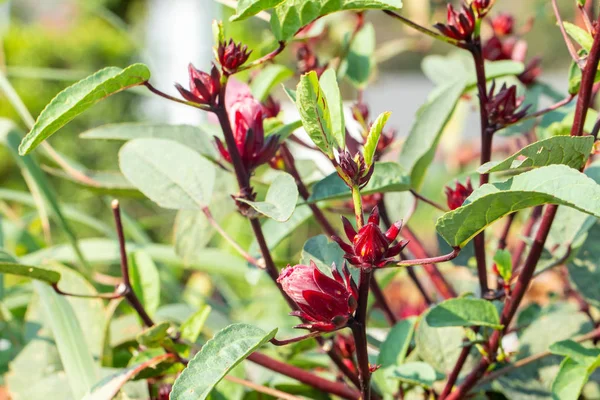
x: 327, y: 322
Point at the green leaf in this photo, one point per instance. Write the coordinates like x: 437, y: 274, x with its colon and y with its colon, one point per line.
x: 145, y: 281
x: 291, y: 15
x: 188, y: 135
x: 373, y: 137
x: 168, y: 173
x: 387, y: 177
x: 574, y: 350
x: 280, y: 201
x: 216, y: 358
x: 269, y: 77
x: 359, y: 64
x: 192, y: 327
x: 581, y: 36
x: 155, y: 336
x: 70, y: 340
x: 322, y: 252
x: 28, y: 271
x: 109, y: 387
x: 464, y: 312
x: 77, y: 98
x: 285, y: 131
x: 331, y: 90
x: 584, y: 267
x: 420, y: 146
x: 415, y: 373
x: 314, y: 112
x: 571, y: 151
x: 247, y: 8
x: 554, y: 184
x: 503, y: 261
x: 395, y: 347
x: 569, y: 381
x: 102, y: 182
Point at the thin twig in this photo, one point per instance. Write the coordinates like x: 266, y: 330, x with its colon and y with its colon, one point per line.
x: 265, y: 58
x: 262, y: 389
x: 431, y: 260
x: 568, y: 42
x: 296, y: 339
x: 175, y: 99
x: 230, y: 240
x: 551, y: 108
x: 119, y: 292
x: 428, y: 201
x: 424, y: 30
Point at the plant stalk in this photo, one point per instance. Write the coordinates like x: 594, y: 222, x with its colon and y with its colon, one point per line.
x: 359, y: 327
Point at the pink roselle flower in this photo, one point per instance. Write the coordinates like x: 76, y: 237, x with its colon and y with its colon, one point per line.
x: 246, y: 119
x: 370, y: 247
x: 457, y: 196
x: 325, y: 303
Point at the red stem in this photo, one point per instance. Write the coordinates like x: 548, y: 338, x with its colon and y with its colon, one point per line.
x: 359, y: 326
x: 324, y: 385
x: 436, y: 277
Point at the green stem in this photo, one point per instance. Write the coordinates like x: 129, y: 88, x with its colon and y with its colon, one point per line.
x: 358, y: 211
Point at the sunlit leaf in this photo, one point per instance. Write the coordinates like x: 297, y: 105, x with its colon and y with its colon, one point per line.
x: 280, y: 201
x: 464, y: 312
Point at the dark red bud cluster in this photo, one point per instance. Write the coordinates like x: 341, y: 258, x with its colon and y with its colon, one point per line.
x: 232, y: 55
x: 504, y: 107
x: 325, y: 303
x: 355, y: 169
x: 346, y: 348
x: 307, y: 60
x: 459, y: 25
x: 481, y: 7
x: 370, y: 247
x: 271, y: 107
x: 204, y: 88
x: 457, y: 196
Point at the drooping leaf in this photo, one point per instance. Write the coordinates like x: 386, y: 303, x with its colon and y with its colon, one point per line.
x: 77, y: 98
x: 572, y: 151
x: 169, y: 173
x: 28, y: 271
x: 359, y: 64
x: 216, y: 358
x: 415, y: 373
x: 280, y: 201
x: 188, y: 135
x: 554, y: 184
x: 315, y: 112
x: 269, y: 77
x: 464, y: 312
x: 581, y: 36
x: 108, y: 387
x: 373, y: 137
x: 387, y: 177
x: 291, y: 15
x: 145, y: 281
x: 155, y: 336
x: 419, y: 148
x: 73, y: 350
x: 331, y: 90
x: 192, y: 327
x: 570, y: 380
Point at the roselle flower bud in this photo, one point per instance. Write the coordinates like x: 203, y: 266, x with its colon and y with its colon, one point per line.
x: 360, y: 112
x: 307, y: 60
x: 246, y: 118
x: 496, y: 49
x: 232, y: 55
x: 460, y: 25
x: 204, y: 88
x: 271, y: 107
x: 457, y: 196
x: 481, y: 7
x: 503, y: 24
x: 370, y: 247
x: 325, y: 303
x: 531, y: 72
x: 346, y: 348
x: 503, y: 107
x: 355, y: 168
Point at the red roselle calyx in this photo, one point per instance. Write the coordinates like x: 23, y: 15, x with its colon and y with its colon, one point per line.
x: 457, y: 196
x: 481, y: 7
x: 503, y: 106
x: 370, y: 247
x: 246, y: 117
x: 204, y: 88
x: 232, y: 56
x: 502, y: 24
x: 459, y: 25
x: 355, y: 169
x: 325, y: 303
